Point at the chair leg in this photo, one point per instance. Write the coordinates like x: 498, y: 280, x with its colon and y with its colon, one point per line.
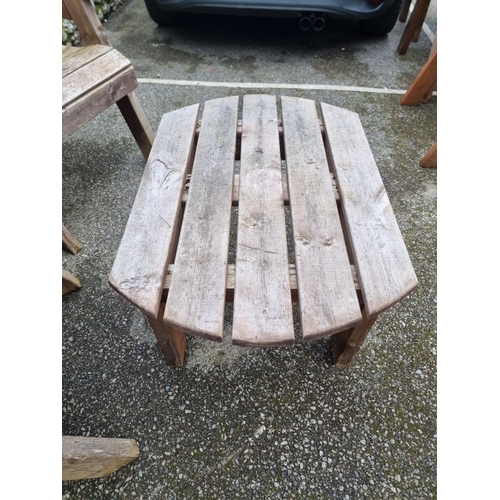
x: 414, y: 25
x: 429, y: 160
x: 137, y: 122
x: 69, y: 242
x: 405, y: 8
x: 69, y: 283
x: 424, y: 81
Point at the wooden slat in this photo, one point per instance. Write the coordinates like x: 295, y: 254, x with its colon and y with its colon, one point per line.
x: 80, y: 56
x: 150, y: 236
x: 195, y: 302
x: 90, y: 457
x: 384, y: 268
x: 92, y: 75
x: 70, y: 283
x: 262, y: 306
x: 100, y: 98
x: 328, y: 301
x: 230, y: 281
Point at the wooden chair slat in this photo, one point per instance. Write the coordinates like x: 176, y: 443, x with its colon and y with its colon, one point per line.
x: 150, y: 235
x: 262, y: 306
x: 195, y: 303
x: 74, y: 58
x: 384, y: 268
x: 328, y: 300
x: 93, y: 74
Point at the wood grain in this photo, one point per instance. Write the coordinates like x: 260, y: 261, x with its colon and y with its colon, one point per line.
x: 92, y: 74
x: 328, y: 301
x: 262, y: 299
x: 195, y: 303
x: 384, y: 268
x: 90, y: 457
x: 148, y: 243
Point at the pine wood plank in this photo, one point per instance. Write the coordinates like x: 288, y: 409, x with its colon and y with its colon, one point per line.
x: 328, y: 301
x: 149, y: 239
x: 75, y: 57
x: 90, y: 457
x: 92, y: 75
x: 97, y: 100
x: 262, y: 306
x: 195, y: 302
x: 384, y: 268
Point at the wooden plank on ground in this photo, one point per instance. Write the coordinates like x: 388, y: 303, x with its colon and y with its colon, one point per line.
x: 150, y: 236
x: 328, y: 301
x: 92, y: 75
x: 384, y: 268
x: 195, y: 302
x: 91, y: 457
x: 262, y: 299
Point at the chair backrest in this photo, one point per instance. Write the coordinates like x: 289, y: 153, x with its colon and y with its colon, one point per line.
x: 83, y: 13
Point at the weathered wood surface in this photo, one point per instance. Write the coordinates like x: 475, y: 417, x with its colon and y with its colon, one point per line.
x: 74, y: 58
x: 196, y: 298
x: 70, y: 283
x: 262, y: 306
x: 328, y: 301
x: 137, y: 122
x: 97, y: 100
x: 96, y: 76
x: 91, y: 457
x: 384, y: 268
x: 230, y: 281
x: 150, y: 236
x: 69, y: 242
x: 91, y: 74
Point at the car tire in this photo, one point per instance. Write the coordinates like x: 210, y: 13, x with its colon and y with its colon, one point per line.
x: 161, y: 17
x: 382, y: 25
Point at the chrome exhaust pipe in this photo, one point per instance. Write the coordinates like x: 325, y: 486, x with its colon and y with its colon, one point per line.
x: 318, y: 24
x: 305, y: 23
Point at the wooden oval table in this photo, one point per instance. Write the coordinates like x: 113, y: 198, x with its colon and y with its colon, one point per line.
x: 298, y: 201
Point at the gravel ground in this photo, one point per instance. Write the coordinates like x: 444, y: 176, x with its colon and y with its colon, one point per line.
x: 238, y: 422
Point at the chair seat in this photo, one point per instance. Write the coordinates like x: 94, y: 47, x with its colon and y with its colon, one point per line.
x: 94, y: 77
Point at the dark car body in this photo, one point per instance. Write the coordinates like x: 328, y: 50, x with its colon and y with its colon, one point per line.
x: 378, y: 16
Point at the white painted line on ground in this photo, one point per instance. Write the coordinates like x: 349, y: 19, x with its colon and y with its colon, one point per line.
x: 250, y: 85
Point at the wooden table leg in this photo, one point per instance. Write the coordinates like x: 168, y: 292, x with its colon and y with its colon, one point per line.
x: 429, y: 160
x: 69, y: 242
x: 346, y: 344
x: 172, y: 342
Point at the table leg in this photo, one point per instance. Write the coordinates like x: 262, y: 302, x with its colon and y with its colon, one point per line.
x: 346, y: 344
x: 172, y: 342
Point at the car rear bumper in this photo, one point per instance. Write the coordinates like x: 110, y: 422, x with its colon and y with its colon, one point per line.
x: 354, y: 9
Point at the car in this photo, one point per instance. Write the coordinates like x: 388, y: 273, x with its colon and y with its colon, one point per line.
x: 374, y: 17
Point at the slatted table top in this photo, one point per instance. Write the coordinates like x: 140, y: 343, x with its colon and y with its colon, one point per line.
x: 295, y: 195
